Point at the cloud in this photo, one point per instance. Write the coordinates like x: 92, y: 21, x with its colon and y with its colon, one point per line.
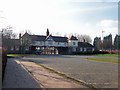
x: 89, y: 9
x: 109, y: 23
x: 108, y: 26
x: 59, y: 16
x: 93, y: 0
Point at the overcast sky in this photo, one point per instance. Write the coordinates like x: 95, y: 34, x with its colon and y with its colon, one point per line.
x: 62, y: 17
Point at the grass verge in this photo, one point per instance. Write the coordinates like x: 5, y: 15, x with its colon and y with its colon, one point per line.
x: 15, y: 55
x: 113, y: 55
x: 112, y: 60
x: 18, y: 55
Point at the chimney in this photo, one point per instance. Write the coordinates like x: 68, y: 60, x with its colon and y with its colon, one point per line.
x: 47, y: 33
x: 83, y: 40
x: 20, y: 36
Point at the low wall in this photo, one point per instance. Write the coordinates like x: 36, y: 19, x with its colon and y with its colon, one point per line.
x: 3, y: 59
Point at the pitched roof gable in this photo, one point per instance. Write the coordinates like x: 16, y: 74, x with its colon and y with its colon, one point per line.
x: 73, y: 38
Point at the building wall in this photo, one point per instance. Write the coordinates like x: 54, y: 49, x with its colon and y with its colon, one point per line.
x: 37, y: 43
x: 62, y: 47
x: 14, y: 49
x: 61, y: 44
x: 73, y: 43
x: 49, y: 43
x: 85, y: 49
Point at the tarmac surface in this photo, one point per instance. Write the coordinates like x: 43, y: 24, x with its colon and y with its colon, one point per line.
x: 22, y: 74
x: 17, y: 77
x: 50, y: 79
x: 98, y: 74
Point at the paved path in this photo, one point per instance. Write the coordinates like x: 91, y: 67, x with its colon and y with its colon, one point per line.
x: 17, y: 77
x: 99, y: 74
x: 49, y: 79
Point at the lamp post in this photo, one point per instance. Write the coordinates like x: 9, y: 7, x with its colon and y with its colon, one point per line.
x: 102, y: 39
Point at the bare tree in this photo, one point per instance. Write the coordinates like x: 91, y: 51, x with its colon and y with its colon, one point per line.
x: 8, y: 34
x: 13, y: 36
x: 28, y: 31
x: 84, y: 38
x: 22, y: 32
x: 69, y: 35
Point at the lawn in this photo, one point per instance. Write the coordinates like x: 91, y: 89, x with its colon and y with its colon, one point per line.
x: 112, y: 60
x: 16, y: 55
x: 113, y: 55
x: 20, y: 55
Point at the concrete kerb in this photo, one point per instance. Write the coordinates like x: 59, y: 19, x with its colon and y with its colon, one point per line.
x: 71, y: 78
x: 42, y: 86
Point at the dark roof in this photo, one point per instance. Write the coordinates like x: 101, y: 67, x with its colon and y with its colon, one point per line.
x: 25, y: 34
x: 37, y: 38
x: 73, y: 38
x: 43, y: 38
x: 84, y: 44
x: 60, y: 39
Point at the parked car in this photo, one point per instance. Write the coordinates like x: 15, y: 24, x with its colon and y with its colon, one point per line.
x: 38, y: 52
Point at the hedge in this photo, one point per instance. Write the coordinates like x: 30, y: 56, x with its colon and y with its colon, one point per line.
x: 90, y: 53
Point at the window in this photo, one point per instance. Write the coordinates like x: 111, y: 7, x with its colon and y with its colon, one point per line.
x: 12, y: 48
x: 65, y: 44
x: 74, y: 49
x: 37, y: 42
x: 84, y: 49
x: 41, y: 43
x: 50, y: 43
x: 27, y: 48
x: 81, y: 49
x: 74, y: 43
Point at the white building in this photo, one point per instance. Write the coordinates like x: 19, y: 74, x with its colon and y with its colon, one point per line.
x: 52, y: 44
x: 73, y: 44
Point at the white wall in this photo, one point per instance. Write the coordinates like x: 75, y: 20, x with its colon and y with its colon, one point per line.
x: 39, y: 43
x: 62, y: 44
x: 57, y: 44
x: 73, y: 41
x: 50, y: 43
